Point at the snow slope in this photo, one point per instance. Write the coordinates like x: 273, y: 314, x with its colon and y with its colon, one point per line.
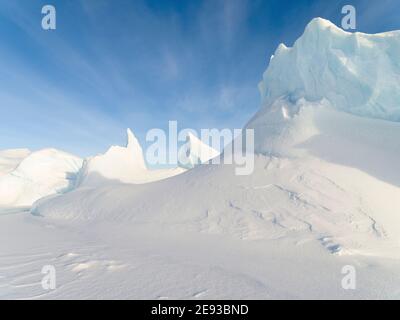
x: 121, y: 165
x: 38, y: 175
x: 313, y: 200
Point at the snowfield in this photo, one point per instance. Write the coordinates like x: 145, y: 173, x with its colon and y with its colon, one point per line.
x: 324, y: 194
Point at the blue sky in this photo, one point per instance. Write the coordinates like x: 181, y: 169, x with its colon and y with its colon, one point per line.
x: 115, y: 64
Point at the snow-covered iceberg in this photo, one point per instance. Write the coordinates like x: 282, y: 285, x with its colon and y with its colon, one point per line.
x: 328, y: 68
x: 356, y: 72
x: 121, y: 165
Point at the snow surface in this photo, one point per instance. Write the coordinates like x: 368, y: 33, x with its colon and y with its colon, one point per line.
x: 325, y: 193
x: 116, y: 261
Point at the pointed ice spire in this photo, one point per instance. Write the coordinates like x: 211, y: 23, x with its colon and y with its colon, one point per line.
x: 133, y: 142
x: 135, y: 148
x: 321, y: 23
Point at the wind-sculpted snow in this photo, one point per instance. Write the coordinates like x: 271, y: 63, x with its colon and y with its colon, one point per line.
x: 357, y: 73
x: 342, y: 208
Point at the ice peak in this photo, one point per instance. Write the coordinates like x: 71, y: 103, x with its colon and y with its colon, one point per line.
x: 133, y: 143
x: 281, y: 48
x: 319, y: 28
x: 321, y: 24
x: 131, y: 138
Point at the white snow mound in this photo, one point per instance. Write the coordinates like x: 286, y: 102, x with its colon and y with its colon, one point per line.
x: 38, y: 175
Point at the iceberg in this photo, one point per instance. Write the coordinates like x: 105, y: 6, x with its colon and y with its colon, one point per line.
x: 121, y: 165
x: 357, y: 73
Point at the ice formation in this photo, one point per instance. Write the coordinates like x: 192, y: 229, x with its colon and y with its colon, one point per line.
x: 356, y: 72
x: 121, y: 165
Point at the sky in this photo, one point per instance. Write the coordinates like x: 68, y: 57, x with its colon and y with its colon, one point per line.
x: 114, y: 64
